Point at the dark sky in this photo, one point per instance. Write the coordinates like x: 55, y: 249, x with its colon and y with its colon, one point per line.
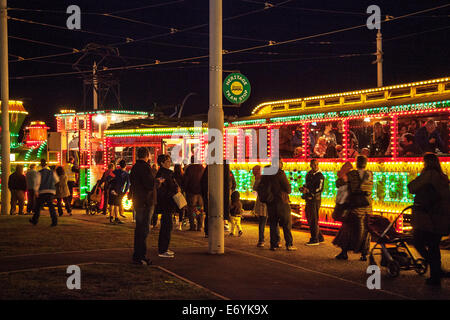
x: 303, y: 68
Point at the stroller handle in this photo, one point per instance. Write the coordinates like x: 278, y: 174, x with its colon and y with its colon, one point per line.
x: 395, y: 220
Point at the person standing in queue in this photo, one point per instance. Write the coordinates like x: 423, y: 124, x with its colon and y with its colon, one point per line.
x: 105, y: 182
x: 360, y: 183
x: 179, y: 177
x: 71, y: 171
x: 143, y: 194
x: 229, y: 186
x: 62, y: 192
x: 204, y: 184
x: 312, y: 193
x: 17, y: 185
x: 192, y: 186
x: 260, y: 209
x: 45, y: 191
x: 119, y: 187
x: 431, y: 214
x: 166, y: 191
x: 274, y: 190
x: 31, y: 176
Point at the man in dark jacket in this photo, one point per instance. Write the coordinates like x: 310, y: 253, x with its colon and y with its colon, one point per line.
x: 17, y: 184
x: 192, y: 185
x: 312, y: 193
x: 118, y: 188
x: 279, y: 210
x: 143, y: 193
x: 229, y: 186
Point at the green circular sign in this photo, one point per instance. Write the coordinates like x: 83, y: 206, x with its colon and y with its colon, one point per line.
x: 236, y: 88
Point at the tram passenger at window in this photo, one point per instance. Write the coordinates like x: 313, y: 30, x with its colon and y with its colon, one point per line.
x: 380, y: 141
x: 409, y: 148
x: 339, y: 133
x: 329, y: 135
x: 413, y: 126
x: 428, y: 138
x: 321, y: 148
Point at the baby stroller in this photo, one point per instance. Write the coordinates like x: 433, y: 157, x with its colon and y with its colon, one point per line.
x: 392, y: 246
x: 94, y: 200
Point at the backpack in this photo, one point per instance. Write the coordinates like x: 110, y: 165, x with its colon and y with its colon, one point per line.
x: 265, y: 190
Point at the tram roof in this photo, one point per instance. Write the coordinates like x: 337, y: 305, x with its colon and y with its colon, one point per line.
x: 159, y: 121
x: 351, y: 107
x: 416, y: 92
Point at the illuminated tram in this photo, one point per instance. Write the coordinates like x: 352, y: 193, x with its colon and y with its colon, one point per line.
x: 82, y: 137
x: 382, y: 123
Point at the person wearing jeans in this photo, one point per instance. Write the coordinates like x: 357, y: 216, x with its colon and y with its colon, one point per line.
x: 143, y: 194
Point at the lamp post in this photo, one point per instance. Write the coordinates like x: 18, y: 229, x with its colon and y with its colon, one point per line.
x: 5, y: 105
x: 215, y: 122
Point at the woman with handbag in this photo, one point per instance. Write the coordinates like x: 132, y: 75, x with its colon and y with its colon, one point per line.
x: 431, y: 214
x: 166, y: 203
x: 353, y: 234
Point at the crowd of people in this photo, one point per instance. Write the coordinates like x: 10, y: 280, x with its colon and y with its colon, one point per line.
x: 42, y: 188
x: 154, y: 192
x: 430, y: 214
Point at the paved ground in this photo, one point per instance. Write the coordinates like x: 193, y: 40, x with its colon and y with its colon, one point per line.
x: 247, y: 272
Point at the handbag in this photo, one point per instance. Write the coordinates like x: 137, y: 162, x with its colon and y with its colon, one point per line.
x: 179, y: 200
x: 340, y: 212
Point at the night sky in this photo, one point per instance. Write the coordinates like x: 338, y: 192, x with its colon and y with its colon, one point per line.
x: 415, y: 48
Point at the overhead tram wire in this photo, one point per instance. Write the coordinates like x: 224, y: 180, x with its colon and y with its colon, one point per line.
x: 337, y: 31
x: 416, y: 33
x: 201, y: 25
x: 128, y: 39
x: 240, y: 50
x: 307, y: 9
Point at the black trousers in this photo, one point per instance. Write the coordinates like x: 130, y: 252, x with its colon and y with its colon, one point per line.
x: 45, y: 198
x: 71, y: 185
x: 143, y: 216
x: 312, y: 215
x: 427, y: 244
x: 31, y: 200
x: 165, y: 231
x: 280, y: 214
x: 66, y: 203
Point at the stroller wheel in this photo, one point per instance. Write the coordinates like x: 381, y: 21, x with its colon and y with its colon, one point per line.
x: 393, y: 269
x: 372, y: 261
x: 421, y: 266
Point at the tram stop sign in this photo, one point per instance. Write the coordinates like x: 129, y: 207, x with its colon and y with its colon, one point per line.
x: 236, y: 88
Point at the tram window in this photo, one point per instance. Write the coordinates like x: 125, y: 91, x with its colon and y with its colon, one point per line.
x: 417, y: 135
x: 151, y: 151
x: 326, y: 139
x: 290, y: 141
x: 370, y: 137
x: 125, y: 153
